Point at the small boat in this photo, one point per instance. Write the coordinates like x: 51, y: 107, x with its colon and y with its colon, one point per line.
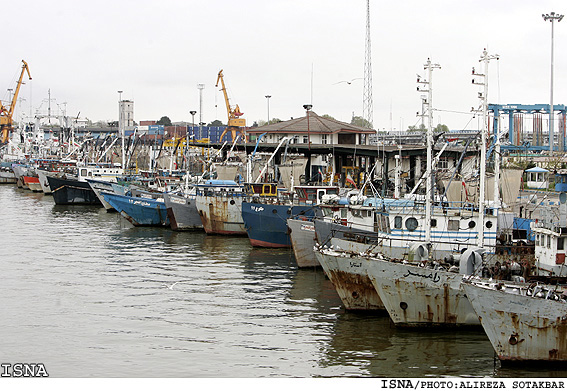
x: 524, y: 322
x: 139, y: 209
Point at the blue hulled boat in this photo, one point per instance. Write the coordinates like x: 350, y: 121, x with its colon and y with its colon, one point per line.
x: 138, y: 210
x: 265, y: 214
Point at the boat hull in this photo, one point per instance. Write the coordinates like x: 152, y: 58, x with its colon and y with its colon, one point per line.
x: 72, y: 192
x: 521, y: 328
x: 138, y: 210
x: 421, y: 297
x: 221, y: 214
x: 351, y: 282
x: 302, y: 236
x: 7, y: 177
x: 32, y: 183
x: 182, y: 213
x: 266, y: 224
x: 100, y: 186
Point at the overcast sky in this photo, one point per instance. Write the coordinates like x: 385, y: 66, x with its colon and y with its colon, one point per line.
x: 296, y: 51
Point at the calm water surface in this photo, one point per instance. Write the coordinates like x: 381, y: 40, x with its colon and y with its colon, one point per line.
x: 89, y: 295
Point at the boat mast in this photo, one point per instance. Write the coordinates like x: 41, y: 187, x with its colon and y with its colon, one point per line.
x: 429, y: 108
x: 485, y: 58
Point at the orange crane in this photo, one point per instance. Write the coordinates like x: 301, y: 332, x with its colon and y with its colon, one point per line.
x: 234, y: 122
x: 7, y: 113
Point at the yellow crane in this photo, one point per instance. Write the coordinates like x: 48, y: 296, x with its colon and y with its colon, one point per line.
x: 234, y: 122
x: 7, y: 113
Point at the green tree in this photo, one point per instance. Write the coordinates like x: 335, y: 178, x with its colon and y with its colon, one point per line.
x: 165, y: 121
x: 359, y: 121
x: 216, y: 123
x: 420, y: 128
x: 441, y: 128
x: 327, y: 116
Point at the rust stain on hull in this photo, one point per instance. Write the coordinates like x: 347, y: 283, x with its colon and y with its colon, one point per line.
x: 356, y: 291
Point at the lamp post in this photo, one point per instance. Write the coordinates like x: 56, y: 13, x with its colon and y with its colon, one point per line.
x: 552, y: 17
x: 268, y: 99
x: 307, y: 108
x: 121, y: 127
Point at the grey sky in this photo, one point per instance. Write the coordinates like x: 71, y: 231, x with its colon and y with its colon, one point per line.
x: 157, y: 53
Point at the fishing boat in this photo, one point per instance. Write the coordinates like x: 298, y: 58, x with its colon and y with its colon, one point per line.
x: 265, y: 212
x: 75, y: 190
x: 219, y: 203
x: 348, y: 274
x: 139, y: 207
x: 302, y: 229
x: 71, y: 191
x: 524, y: 322
x: 182, y: 212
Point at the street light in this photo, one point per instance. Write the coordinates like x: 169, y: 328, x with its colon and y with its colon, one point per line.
x: 268, y: 99
x: 121, y: 128
x: 552, y: 17
x: 192, y: 112
x: 307, y: 108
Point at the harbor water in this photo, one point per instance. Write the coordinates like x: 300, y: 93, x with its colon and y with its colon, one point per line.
x: 88, y: 295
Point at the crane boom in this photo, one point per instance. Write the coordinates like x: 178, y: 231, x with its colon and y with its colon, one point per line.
x: 6, y: 114
x: 234, y: 122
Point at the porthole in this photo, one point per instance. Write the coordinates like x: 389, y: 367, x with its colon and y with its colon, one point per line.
x: 274, y: 211
x: 411, y: 224
x: 472, y: 224
x: 232, y: 202
x: 489, y: 224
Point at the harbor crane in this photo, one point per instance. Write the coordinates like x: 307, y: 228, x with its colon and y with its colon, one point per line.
x: 6, y: 113
x: 234, y: 120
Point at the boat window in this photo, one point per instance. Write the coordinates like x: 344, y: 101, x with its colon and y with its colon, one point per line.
x: 411, y: 224
x: 453, y: 225
x: 343, y: 213
x: 537, y: 239
x: 548, y: 241
x: 433, y: 223
x: 560, y: 244
x: 398, y: 222
x: 84, y: 172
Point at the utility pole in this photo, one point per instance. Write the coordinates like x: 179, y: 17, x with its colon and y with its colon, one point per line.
x: 552, y: 17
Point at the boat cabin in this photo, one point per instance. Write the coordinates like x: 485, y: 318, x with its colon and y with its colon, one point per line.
x: 103, y: 173
x: 261, y: 189
x: 314, y: 194
x: 219, y: 187
x: 550, y: 251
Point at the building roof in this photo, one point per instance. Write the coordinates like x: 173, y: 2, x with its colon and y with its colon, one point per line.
x: 316, y: 125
